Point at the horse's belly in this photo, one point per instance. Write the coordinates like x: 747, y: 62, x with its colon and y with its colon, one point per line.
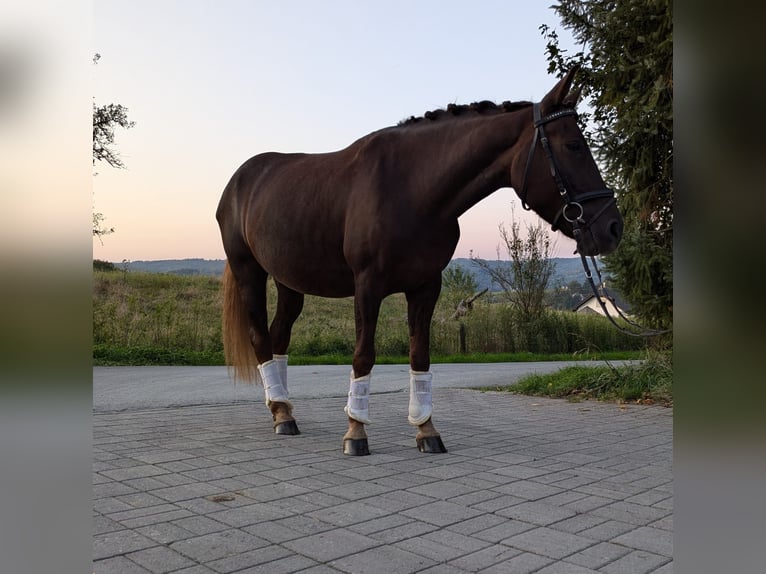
x: 311, y: 273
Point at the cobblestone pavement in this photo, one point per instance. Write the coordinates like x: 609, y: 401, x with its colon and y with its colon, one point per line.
x: 528, y: 485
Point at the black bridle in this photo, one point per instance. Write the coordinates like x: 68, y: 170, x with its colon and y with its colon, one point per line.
x: 576, y: 217
x: 572, y: 210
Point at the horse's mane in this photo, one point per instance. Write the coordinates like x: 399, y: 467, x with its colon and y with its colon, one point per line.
x: 485, y: 107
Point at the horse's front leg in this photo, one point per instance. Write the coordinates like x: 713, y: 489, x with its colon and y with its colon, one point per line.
x: 420, y: 310
x: 366, y: 308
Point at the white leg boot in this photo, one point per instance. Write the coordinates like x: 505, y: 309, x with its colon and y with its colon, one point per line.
x: 282, y: 363
x: 358, y: 403
x: 421, y: 404
x: 273, y: 387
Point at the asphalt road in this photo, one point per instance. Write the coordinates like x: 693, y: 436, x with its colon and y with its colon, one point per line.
x: 137, y: 388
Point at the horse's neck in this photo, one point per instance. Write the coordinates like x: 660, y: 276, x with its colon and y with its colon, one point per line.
x: 474, y: 161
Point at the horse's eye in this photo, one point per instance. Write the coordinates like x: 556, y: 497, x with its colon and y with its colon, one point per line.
x: 574, y: 146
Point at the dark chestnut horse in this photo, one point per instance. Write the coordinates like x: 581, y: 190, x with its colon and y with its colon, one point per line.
x: 381, y: 217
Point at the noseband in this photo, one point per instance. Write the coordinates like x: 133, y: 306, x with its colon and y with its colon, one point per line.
x: 572, y: 209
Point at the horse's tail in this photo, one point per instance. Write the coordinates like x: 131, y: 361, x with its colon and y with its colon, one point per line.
x: 239, y: 352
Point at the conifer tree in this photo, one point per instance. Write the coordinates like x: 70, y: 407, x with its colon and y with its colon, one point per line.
x: 627, y: 77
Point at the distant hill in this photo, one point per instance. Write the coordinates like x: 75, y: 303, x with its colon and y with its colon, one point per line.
x: 567, y: 268
x: 176, y: 266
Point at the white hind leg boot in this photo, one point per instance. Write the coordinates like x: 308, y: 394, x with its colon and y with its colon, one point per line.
x: 273, y: 387
x: 358, y: 405
x: 421, y: 404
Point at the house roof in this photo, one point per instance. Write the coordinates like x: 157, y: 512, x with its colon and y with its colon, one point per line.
x: 618, y: 301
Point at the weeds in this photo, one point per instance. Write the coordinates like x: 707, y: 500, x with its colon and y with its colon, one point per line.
x: 650, y: 381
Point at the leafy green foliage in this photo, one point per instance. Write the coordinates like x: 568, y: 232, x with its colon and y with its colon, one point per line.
x: 458, y: 284
x: 627, y: 72
x: 524, y: 278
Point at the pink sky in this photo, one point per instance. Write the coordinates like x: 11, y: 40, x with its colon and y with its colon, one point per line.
x: 211, y: 84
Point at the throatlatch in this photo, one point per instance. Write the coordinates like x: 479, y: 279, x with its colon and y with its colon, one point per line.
x: 421, y: 404
x: 358, y: 404
x: 274, y: 376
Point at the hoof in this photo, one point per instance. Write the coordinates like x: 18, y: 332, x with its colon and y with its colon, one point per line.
x: 431, y: 444
x: 287, y: 427
x: 356, y: 447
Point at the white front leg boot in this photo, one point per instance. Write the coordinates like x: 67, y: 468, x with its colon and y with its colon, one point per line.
x: 282, y: 363
x: 358, y: 404
x: 273, y: 387
x: 421, y: 404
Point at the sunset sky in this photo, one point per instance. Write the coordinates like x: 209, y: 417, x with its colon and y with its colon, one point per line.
x: 210, y: 84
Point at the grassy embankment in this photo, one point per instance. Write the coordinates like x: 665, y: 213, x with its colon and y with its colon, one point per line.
x: 157, y: 319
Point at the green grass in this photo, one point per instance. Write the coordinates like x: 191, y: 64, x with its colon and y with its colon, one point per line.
x: 163, y: 319
x: 648, y: 382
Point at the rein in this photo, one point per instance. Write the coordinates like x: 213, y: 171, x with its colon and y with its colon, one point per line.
x: 601, y: 293
x: 576, y: 217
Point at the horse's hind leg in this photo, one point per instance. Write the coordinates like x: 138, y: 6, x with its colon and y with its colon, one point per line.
x: 251, y: 278
x: 289, y: 307
x: 420, y: 309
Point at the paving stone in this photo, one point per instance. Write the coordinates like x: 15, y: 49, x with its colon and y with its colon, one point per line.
x: 557, y: 489
x: 477, y: 524
x: 484, y: 558
x: 331, y: 545
x: 125, y: 515
x: 348, y: 513
x: 118, y: 565
x: 249, y: 559
x: 598, y: 555
x: 637, y: 562
x: 165, y: 532
x: 548, y: 542
x: 218, y: 545
x: 247, y: 515
x: 160, y: 559
x: 442, y: 545
x: 504, y: 530
x: 288, y: 565
x: 630, y: 513
x: 110, y: 504
x: 111, y: 489
x: 102, y: 525
x: 524, y: 563
x: 607, y: 530
x: 565, y: 568
x: 385, y: 560
x: 403, y: 532
x: 528, y: 490
x: 119, y: 542
x: 198, y: 569
x: 649, y: 539
x: 398, y: 501
x: 141, y: 471
x: 578, y: 523
x: 441, y: 513
x: 538, y: 513
x: 379, y: 524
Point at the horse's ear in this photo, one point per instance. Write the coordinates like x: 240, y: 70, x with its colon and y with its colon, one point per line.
x: 573, y: 97
x: 558, y: 95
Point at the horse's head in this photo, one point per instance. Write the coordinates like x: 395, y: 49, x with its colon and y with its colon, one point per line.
x: 559, y: 178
